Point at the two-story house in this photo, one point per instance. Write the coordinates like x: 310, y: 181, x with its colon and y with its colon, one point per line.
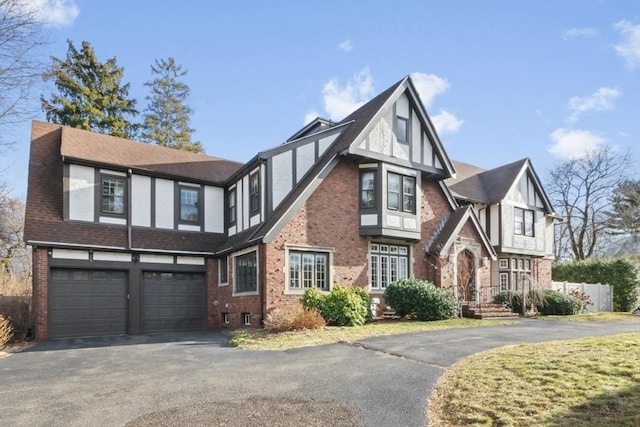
x: 133, y: 238
x: 516, y: 214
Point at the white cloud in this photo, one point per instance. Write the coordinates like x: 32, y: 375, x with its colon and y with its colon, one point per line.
x: 311, y: 115
x: 579, y: 32
x: 339, y: 101
x: 629, y: 47
x: 429, y: 86
x: 445, y: 122
x: 600, y: 100
x: 54, y: 13
x: 345, y: 46
x: 573, y: 144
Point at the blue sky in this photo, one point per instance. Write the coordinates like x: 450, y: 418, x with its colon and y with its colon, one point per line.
x: 502, y: 80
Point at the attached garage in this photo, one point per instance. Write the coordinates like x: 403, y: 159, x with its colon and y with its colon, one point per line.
x: 87, y: 303
x: 173, y: 301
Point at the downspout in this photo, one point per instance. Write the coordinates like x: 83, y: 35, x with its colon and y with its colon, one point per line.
x: 129, y: 209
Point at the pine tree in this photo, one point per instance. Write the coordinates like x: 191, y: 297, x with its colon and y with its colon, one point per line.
x: 90, y: 96
x: 166, y: 120
x: 625, y: 203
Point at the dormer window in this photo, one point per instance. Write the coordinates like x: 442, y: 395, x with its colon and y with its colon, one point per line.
x: 113, y: 195
x: 231, y: 206
x: 254, y: 193
x: 189, y: 204
x: 402, y: 129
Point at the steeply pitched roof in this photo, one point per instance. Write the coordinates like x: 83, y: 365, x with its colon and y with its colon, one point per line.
x: 452, y: 227
x: 354, y: 124
x: 488, y: 186
x: 85, y: 146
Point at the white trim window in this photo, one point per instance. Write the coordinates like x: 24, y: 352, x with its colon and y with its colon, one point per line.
x: 387, y: 263
x: 504, y: 282
x: 308, y: 270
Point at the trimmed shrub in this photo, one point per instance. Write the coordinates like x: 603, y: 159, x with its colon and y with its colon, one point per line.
x: 421, y: 300
x: 343, y: 306
x: 291, y: 319
x: 558, y: 303
x: 623, y: 274
x: 6, y: 331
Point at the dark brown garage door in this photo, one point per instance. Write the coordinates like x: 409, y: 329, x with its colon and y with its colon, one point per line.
x: 87, y: 303
x: 173, y: 301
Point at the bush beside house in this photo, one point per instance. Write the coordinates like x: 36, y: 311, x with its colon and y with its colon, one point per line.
x: 421, y: 300
x: 343, y: 306
x: 622, y: 273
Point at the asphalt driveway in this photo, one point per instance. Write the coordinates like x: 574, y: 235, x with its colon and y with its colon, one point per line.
x: 195, y: 379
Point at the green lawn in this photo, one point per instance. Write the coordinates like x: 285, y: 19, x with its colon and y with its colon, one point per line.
x: 586, y: 382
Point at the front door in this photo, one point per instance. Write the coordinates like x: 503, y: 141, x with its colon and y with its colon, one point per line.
x: 466, y: 276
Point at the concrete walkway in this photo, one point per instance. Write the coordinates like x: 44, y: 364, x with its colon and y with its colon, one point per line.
x: 114, y: 381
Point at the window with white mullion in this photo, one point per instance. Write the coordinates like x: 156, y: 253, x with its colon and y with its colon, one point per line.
x: 321, y: 271
x: 375, y: 270
x: 307, y: 270
x: 393, y: 269
x: 384, y: 271
x: 388, y: 263
x: 294, y: 270
x: 403, y: 270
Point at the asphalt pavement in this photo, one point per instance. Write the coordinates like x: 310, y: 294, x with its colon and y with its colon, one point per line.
x: 118, y: 380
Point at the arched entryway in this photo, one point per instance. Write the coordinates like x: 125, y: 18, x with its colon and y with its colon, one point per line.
x: 466, y: 276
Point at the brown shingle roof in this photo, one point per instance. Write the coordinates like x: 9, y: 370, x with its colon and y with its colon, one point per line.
x: 44, y: 223
x: 489, y: 186
x: 109, y: 150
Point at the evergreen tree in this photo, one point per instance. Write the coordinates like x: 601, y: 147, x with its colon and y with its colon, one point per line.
x: 166, y: 120
x: 625, y: 204
x: 90, y: 96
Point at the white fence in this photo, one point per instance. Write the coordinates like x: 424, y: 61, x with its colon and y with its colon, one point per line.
x: 601, y: 296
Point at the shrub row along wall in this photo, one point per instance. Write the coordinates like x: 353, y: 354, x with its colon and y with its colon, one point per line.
x: 623, y: 274
x: 17, y: 310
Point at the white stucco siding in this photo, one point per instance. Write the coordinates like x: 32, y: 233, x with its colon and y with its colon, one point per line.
x: 369, y: 219
x: 69, y: 254
x: 112, y: 220
x: 141, y: 200
x: 495, y: 224
x: 402, y: 106
x: 427, y: 154
x: 305, y: 158
x: 190, y: 260
x: 213, y: 209
x: 416, y: 133
x: 112, y: 256
x: 81, y: 193
x: 245, y: 202
x: 549, y: 237
x: 282, y: 176
x: 156, y: 259
x: 164, y: 203
x: 324, y: 143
